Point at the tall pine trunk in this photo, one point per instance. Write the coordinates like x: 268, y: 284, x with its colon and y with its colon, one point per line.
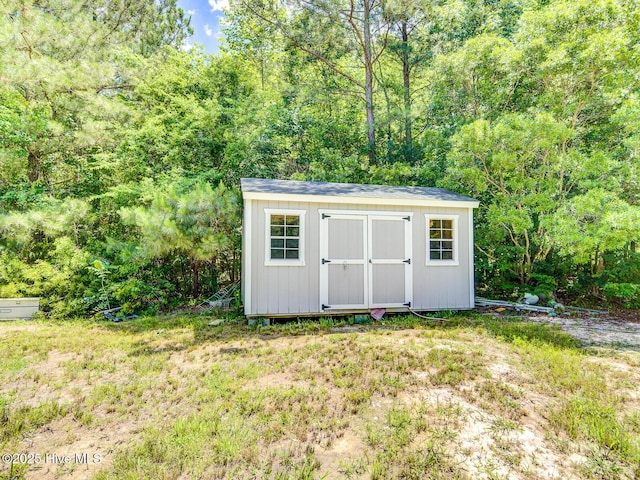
x: 406, y: 71
x: 368, y: 87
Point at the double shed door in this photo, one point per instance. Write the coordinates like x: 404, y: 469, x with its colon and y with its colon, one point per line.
x: 365, y: 260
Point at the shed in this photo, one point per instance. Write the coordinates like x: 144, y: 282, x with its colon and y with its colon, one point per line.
x: 315, y: 248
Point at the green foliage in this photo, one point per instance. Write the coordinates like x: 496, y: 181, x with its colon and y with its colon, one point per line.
x: 588, y: 418
x: 101, y: 270
x: 60, y: 74
x: 626, y: 294
x: 197, y: 222
x: 595, y: 222
x: 541, y: 148
x: 530, y: 106
x: 531, y: 332
x: 24, y: 231
x: 518, y: 167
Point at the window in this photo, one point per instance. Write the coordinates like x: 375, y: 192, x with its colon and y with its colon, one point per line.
x: 442, y: 239
x: 285, y: 237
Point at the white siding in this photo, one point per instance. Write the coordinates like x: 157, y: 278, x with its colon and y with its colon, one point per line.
x: 295, y: 290
x: 442, y: 287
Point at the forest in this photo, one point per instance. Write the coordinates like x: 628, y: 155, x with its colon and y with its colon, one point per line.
x: 121, y: 151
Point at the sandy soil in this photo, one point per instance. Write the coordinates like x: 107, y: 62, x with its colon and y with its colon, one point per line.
x: 479, y: 442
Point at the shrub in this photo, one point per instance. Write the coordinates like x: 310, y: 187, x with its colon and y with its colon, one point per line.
x: 626, y: 294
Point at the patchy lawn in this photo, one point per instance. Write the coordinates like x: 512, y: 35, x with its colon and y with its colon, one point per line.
x: 177, y: 399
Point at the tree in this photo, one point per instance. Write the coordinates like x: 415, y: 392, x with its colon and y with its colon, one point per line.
x: 195, y: 221
x: 62, y: 67
x: 518, y: 168
x: 42, y: 254
x: 175, y: 120
x: 593, y: 224
x: 316, y: 26
x: 407, y: 18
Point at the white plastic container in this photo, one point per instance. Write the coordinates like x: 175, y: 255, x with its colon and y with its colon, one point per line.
x: 18, y: 308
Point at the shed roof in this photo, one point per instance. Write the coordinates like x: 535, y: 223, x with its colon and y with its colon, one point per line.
x: 253, y: 186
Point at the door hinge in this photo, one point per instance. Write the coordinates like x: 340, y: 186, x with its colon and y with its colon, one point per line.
x: 324, y: 307
x: 408, y: 304
x: 407, y: 261
x: 408, y: 219
x: 324, y: 260
x: 324, y: 215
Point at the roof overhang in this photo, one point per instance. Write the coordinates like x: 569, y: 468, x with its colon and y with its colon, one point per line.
x: 359, y: 200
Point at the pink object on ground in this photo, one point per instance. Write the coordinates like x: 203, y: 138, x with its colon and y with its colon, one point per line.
x: 378, y: 313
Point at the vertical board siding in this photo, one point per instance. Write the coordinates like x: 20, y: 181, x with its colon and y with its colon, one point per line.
x: 346, y: 285
x: 288, y: 290
x: 285, y: 289
x: 441, y: 287
x: 259, y: 279
x: 244, y: 260
x: 312, y: 302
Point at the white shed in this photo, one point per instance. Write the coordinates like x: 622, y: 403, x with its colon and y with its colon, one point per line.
x: 313, y: 248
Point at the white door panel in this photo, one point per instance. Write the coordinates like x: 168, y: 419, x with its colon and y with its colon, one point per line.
x: 390, y: 261
x: 365, y: 260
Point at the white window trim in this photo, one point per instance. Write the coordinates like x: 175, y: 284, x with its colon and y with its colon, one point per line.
x: 441, y: 263
x: 283, y: 262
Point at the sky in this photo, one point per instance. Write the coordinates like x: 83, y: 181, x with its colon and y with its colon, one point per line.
x: 205, y: 20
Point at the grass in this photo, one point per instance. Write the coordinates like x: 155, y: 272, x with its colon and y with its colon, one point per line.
x: 16, y: 421
x: 171, y: 398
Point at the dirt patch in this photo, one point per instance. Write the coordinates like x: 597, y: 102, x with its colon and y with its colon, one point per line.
x: 60, y: 378
x: 156, y: 383
x: 74, y: 452
x: 340, y: 456
x: 602, y: 331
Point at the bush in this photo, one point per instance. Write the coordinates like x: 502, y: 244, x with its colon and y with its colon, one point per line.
x: 625, y: 294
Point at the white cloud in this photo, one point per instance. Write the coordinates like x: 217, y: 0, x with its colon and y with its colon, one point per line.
x: 218, y: 5
x: 191, y: 12
x: 186, y: 47
x: 207, y: 30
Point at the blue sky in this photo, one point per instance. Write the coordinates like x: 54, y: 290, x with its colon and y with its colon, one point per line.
x: 205, y: 20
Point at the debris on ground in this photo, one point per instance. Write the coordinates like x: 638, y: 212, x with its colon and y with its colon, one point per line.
x: 222, y: 298
x: 590, y: 326
x: 553, y: 310
x: 109, y: 315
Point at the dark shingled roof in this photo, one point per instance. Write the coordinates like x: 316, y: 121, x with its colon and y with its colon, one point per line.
x: 293, y: 187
